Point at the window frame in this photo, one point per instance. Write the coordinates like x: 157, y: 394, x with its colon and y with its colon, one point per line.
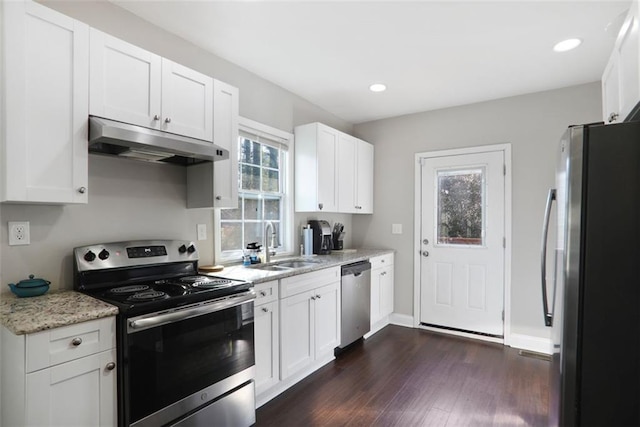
x: 285, y: 140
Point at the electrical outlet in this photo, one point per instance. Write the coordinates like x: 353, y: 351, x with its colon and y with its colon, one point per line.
x: 202, y: 231
x: 19, y: 233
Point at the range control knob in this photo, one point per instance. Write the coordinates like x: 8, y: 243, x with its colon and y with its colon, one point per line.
x: 89, y: 256
x: 104, y: 254
x: 182, y: 249
x: 191, y: 249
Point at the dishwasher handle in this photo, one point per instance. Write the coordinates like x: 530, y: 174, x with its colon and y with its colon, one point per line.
x: 355, y: 269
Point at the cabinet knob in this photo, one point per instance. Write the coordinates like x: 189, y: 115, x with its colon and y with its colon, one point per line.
x: 156, y: 117
x: 76, y: 341
x: 263, y: 294
x: 613, y: 117
x: 218, y: 197
x: 320, y: 206
x: 167, y: 120
x: 313, y: 298
x: 110, y: 366
x: 318, y: 296
x: 265, y: 309
x: 82, y: 190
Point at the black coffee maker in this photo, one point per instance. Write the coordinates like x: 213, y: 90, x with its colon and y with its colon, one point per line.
x: 322, y: 242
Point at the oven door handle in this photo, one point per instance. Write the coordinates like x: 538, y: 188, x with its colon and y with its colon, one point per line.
x: 154, y: 320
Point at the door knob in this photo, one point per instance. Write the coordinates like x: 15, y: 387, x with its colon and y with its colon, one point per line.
x: 425, y: 253
x: 425, y: 242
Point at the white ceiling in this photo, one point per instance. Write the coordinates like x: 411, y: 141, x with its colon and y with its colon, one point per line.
x: 430, y: 54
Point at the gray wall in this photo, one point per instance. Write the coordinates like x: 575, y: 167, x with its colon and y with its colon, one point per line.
x: 532, y: 124
x: 136, y: 200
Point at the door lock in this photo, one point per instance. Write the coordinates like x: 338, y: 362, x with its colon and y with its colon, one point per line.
x: 425, y: 242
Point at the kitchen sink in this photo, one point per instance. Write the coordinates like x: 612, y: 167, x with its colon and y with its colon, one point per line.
x: 284, y: 265
x: 296, y: 264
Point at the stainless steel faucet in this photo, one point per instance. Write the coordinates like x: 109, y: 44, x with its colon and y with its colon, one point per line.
x: 269, y: 241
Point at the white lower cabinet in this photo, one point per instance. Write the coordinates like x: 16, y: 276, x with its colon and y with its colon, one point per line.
x: 76, y: 393
x: 381, y: 291
x: 60, y: 377
x: 267, y: 331
x: 310, y: 328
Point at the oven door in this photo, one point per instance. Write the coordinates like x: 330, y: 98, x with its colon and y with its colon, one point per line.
x: 183, y: 359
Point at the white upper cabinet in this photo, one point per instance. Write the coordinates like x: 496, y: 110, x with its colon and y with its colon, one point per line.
x: 225, y: 135
x: 334, y: 171
x: 132, y: 85
x: 355, y: 175
x: 45, y: 105
x: 315, y: 168
x: 364, y: 177
x: 125, y: 81
x: 621, y: 77
x: 187, y: 101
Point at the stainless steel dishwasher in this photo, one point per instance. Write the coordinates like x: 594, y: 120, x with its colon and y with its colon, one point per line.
x: 356, y: 302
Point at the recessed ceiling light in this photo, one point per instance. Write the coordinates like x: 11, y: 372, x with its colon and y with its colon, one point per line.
x: 377, y: 87
x: 566, y: 45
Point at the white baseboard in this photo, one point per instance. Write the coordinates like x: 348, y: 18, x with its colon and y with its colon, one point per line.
x: 401, y: 320
x: 530, y: 343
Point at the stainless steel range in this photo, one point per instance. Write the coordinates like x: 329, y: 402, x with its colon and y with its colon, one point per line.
x: 185, y: 341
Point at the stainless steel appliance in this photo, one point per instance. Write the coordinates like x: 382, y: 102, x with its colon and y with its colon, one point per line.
x: 355, y: 302
x: 593, y: 303
x: 137, y: 142
x: 185, y: 342
x: 322, y: 241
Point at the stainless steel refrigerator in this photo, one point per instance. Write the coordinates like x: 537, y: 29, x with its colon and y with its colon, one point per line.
x: 592, y: 303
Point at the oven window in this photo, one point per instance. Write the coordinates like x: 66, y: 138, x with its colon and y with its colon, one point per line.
x: 173, y: 361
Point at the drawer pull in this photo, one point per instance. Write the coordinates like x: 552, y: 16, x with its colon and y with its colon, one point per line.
x: 265, y: 309
x: 76, y: 341
x: 318, y: 296
x: 110, y: 366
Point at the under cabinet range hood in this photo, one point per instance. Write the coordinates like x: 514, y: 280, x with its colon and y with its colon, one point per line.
x: 136, y: 142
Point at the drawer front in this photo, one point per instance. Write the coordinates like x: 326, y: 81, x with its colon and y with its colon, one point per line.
x: 305, y: 282
x: 266, y: 292
x: 381, y: 261
x: 59, y: 345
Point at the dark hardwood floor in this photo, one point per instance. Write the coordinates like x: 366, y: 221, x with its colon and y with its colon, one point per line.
x: 405, y: 377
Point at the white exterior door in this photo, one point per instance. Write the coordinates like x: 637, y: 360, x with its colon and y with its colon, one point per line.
x: 461, y: 242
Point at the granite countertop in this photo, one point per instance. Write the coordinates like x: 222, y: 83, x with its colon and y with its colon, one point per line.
x: 51, y: 310
x: 335, y: 259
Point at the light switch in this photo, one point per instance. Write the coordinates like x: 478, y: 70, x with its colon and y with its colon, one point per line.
x: 396, y: 228
x: 202, y: 231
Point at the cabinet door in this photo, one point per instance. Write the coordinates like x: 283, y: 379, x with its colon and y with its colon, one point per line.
x: 225, y: 134
x: 376, y: 277
x: 46, y: 83
x: 125, y: 82
x: 629, y: 63
x: 364, y: 177
x: 327, y: 144
x: 267, y: 346
x: 386, y: 291
x: 326, y: 316
x: 346, y: 160
x: 296, y: 337
x: 187, y: 101
x: 77, y: 393
x: 610, y: 91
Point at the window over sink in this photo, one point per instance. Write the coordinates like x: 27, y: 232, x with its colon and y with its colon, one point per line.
x: 265, y: 192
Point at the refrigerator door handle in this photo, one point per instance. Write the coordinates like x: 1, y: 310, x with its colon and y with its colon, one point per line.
x: 548, y: 317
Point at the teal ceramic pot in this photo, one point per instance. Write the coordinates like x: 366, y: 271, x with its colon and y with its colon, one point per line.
x: 30, y: 287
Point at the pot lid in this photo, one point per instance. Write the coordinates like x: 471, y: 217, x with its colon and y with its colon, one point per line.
x: 31, y: 282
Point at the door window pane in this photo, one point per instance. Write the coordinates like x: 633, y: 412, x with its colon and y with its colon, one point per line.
x: 460, y: 207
